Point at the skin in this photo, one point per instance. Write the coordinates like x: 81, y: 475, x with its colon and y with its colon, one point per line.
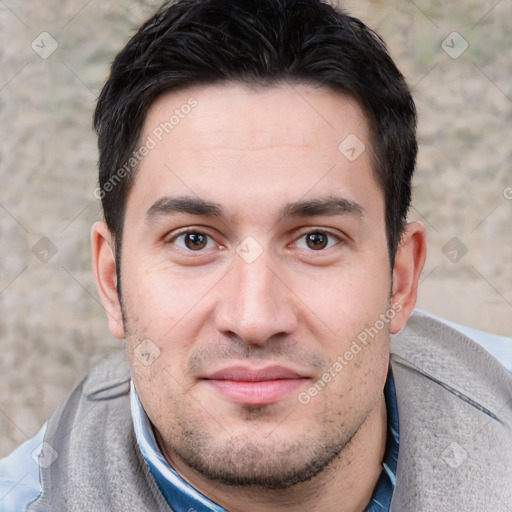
x: 252, y: 152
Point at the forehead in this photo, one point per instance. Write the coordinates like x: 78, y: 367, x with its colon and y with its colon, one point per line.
x: 262, y: 142
x: 237, y: 109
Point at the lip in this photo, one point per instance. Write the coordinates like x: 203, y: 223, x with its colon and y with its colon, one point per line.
x: 255, y: 386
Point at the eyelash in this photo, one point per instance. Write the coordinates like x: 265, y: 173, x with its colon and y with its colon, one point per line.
x: 189, y: 231
x: 330, y: 235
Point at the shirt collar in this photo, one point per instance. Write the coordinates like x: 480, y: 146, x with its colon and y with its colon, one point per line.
x: 182, y: 497
x: 381, y: 498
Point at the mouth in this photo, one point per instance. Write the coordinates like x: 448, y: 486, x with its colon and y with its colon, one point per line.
x: 255, y: 386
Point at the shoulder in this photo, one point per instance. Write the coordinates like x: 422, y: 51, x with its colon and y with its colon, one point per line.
x: 20, y: 471
x: 455, y: 418
x: 429, y: 348
x: 454, y: 352
x: 498, y: 346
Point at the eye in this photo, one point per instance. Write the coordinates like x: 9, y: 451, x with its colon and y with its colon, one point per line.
x: 193, y: 241
x: 317, y: 241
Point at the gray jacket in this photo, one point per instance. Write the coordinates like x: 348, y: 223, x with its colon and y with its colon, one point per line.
x: 455, y: 418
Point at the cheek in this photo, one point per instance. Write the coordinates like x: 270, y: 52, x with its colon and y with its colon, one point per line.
x: 159, y: 297
x: 156, y: 365
x: 347, y: 300
x: 164, y: 315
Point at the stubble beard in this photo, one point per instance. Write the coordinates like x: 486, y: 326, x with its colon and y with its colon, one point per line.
x: 236, y: 462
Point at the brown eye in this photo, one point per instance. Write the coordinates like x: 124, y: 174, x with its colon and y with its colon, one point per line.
x: 317, y: 240
x: 195, y: 241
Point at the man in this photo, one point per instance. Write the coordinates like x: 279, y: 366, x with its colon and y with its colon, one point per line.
x: 255, y: 174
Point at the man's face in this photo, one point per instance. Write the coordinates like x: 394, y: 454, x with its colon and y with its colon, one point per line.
x: 254, y: 253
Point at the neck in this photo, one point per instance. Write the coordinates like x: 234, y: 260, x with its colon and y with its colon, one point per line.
x: 346, y: 485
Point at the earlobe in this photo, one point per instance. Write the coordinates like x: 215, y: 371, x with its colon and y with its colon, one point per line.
x: 409, y: 261
x: 105, y: 276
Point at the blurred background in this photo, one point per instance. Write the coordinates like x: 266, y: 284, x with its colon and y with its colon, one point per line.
x: 54, y: 57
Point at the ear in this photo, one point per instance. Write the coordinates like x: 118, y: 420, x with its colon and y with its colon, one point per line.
x: 409, y: 261
x: 105, y: 276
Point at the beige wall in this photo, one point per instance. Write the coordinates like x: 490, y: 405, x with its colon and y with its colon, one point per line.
x: 51, y: 322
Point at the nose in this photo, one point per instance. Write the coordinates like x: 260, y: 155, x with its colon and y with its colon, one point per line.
x: 255, y: 305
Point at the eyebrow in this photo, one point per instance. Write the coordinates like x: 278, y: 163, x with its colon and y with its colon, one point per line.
x: 192, y: 205
x: 331, y: 205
